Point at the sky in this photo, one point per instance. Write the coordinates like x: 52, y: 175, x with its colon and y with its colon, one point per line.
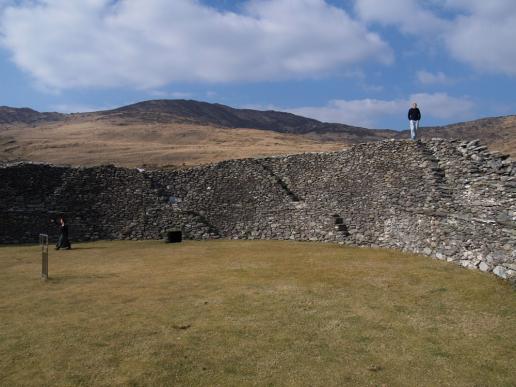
x: 358, y: 62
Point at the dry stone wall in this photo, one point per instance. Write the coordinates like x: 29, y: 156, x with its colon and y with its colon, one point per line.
x: 451, y: 200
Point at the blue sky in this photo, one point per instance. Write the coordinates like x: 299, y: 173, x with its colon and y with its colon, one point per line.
x: 358, y: 62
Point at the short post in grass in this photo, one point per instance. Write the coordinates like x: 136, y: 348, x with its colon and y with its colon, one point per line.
x: 43, y: 243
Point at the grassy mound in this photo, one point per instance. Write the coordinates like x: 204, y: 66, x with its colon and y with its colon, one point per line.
x: 250, y: 313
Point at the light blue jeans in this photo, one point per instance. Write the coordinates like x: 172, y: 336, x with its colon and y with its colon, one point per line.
x: 414, y: 126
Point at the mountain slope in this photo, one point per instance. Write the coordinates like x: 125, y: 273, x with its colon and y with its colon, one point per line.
x: 167, y: 132
x: 203, y: 113
x: 9, y: 115
x: 78, y: 140
x: 177, y: 132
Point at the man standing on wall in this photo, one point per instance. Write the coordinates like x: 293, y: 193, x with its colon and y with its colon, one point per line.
x: 414, y: 115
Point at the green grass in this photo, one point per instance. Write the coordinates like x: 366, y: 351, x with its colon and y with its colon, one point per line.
x: 232, y: 313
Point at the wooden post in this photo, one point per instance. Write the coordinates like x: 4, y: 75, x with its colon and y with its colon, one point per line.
x: 43, y: 242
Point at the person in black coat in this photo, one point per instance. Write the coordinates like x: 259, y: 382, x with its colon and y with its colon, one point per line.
x: 63, y: 242
x: 414, y: 115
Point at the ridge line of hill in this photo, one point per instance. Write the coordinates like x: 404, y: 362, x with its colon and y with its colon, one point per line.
x: 177, y: 132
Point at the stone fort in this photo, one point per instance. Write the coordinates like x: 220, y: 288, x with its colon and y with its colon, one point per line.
x: 451, y: 200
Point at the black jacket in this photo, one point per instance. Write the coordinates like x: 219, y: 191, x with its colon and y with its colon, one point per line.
x: 414, y: 114
x: 63, y: 229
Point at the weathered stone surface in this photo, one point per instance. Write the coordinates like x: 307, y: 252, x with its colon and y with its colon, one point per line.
x: 484, y: 266
x: 449, y: 199
x: 501, y: 271
x: 511, y: 266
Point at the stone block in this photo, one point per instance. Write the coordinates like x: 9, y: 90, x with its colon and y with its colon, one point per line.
x: 501, y: 271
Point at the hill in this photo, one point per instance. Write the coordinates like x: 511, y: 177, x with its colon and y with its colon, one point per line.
x: 9, y: 115
x: 499, y: 133
x: 203, y: 113
x: 185, y: 132
x: 169, y: 132
x: 81, y: 141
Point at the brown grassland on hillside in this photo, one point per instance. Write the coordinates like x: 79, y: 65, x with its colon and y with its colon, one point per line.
x: 151, y: 139
x: 233, y: 313
x: 83, y: 142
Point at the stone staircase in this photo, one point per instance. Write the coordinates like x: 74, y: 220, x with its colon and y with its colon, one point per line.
x: 436, y: 173
x: 196, y: 226
x: 279, y: 181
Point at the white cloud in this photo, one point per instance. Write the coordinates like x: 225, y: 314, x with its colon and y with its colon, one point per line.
x: 371, y: 112
x: 443, y: 106
x: 409, y: 15
x: 78, y: 108
x: 428, y: 78
x: 485, y: 38
x: 362, y: 112
x: 150, y: 43
x: 491, y: 8
x: 478, y: 32
x: 5, y: 3
x: 173, y: 94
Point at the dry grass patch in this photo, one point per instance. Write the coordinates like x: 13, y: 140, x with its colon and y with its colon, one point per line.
x: 83, y: 142
x: 235, y: 313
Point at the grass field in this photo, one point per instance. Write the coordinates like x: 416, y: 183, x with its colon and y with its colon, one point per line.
x: 233, y: 313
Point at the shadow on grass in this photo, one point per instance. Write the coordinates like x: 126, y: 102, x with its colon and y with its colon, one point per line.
x: 84, y: 248
x: 51, y: 246
x: 59, y: 279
